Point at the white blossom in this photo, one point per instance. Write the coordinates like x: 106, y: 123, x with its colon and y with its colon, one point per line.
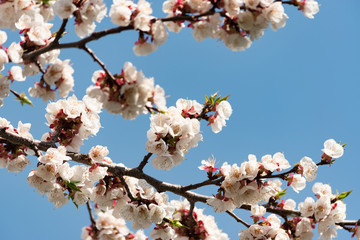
x: 98, y: 153
x: 309, y: 168
x: 322, y: 207
x: 310, y: 8
x: 54, y: 156
x: 17, y: 73
x: 3, y: 59
x: 120, y: 15
x: 56, y: 196
x: 307, y: 208
x: 3, y: 37
x: 258, y: 211
x: 298, y: 183
x: 64, y: 8
x: 4, y: 87
x: 18, y: 164
x: 333, y: 149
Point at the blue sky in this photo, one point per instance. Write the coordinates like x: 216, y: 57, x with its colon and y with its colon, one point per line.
x: 291, y: 91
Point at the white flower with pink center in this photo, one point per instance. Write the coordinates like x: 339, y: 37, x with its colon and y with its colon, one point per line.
x: 307, y: 208
x: 309, y: 168
x: 333, y: 149
x: 54, y: 156
x: 98, y: 153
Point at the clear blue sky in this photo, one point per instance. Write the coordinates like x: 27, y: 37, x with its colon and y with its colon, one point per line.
x: 290, y: 91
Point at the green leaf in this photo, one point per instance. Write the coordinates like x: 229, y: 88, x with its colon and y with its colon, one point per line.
x: 26, y: 101
x: 282, y: 193
x: 72, y: 185
x: 224, y: 98
x: 75, y: 182
x: 344, y: 195
x: 22, y: 98
x: 72, y: 199
x: 176, y: 223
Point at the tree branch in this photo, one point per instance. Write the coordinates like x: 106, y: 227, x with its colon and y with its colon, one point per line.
x: 18, y: 140
x: 160, y: 186
x: 144, y: 161
x: 78, y: 44
x: 31, y: 56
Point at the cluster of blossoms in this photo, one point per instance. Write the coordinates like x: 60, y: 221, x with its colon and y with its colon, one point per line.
x: 72, y: 120
x: 109, y: 194
x: 37, y: 35
x: 126, y: 12
x: 11, y: 11
x: 54, y: 176
x: 109, y: 227
x: 237, y: 23
x: 200, y: 225
x: 173, y: 132
x: 248, y: 184
x: 15, y: 73
x: 130, y: 94
x: 242, y: 185
x: 12, y: 156
x: 269, y: 228
x: 85, y: 13
x: 147, y: 207
x: 326, y: 212
x: 59, y: 73
x: 223, y: 112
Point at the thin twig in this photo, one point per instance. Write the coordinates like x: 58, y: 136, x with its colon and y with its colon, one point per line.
x: 189, y: 18
x: 92, y: 219
x: 123, y: 182
x: 96, y: 59
x: 144, y: 161
x: 38, y: 65
x: 61, y: 30
x: 204, y: 183
x: 290, y: 2
x: 349, y: 223
x: 280, y: 175
x: 293, y: 170
x: 346, y: 223
x: 238, y: 219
